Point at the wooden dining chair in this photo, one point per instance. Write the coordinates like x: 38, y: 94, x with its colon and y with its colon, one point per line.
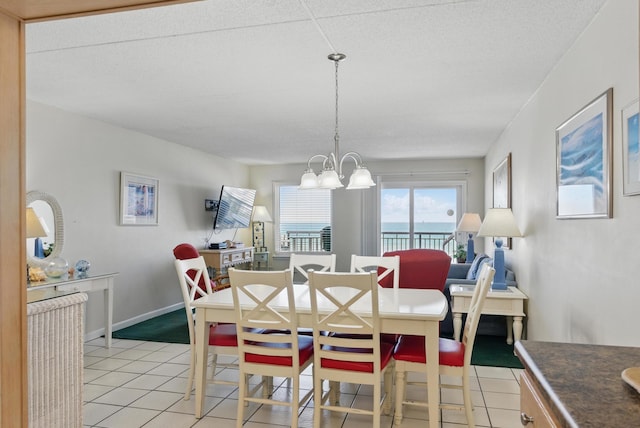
x: 299, y: 264
x: 338, y: 357
x: 259, y: 298
x: 454, y: 357
x: 387, y: 267
x: 194, y: 284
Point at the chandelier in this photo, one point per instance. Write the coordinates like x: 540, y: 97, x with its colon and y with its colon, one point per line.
x: 332, y: 175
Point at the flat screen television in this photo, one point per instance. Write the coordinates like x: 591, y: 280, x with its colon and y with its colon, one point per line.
x: 234, y: 208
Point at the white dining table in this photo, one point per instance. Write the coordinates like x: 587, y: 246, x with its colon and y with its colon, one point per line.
x: 402, y: 311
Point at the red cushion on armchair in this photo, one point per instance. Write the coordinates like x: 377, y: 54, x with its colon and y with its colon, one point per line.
x: 420, y: 268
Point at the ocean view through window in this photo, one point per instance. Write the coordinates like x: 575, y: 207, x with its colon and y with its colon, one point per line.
x: 417, y: 217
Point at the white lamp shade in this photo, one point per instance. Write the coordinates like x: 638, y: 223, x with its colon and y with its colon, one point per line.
x: 499, y: 222
x: 260, y: 213
x: 360, y: 179
x: 329, y: 179
x: 309, y: 180
x: 34, y: 226
x: 470, y: 222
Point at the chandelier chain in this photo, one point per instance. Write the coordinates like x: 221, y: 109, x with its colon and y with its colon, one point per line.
x: 336, y: 136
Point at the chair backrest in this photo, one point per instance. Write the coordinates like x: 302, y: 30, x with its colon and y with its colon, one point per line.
x: 333, y: 297
x: 185, y: 251
x: 264, y: 300
x: 421, y: 268
x: 385, y: 266
x: 299, y: 264
x: 192, y: 272
x: 483, y: 284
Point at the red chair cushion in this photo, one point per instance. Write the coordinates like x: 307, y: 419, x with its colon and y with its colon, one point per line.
x: 188, y: 251
x: 386, y: 352
x: 223, y: 335
x: 412, y: 349
x: 305, y: 352
x: 420, y: 268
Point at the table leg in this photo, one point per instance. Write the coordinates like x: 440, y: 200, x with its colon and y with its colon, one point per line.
x: 108, y: 313
x: 201, y: 359
x: 433, y: 370
x: 510, y: 320
x: 517, y: 328
x: 457, y: 325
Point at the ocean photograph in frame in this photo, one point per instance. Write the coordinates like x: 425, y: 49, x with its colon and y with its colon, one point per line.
x: 138, y: 200
x: 583, y: 161
x: 630, y: 150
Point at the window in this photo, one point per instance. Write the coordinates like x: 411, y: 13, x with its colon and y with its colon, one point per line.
x: 418, y: 215
x: 303, y: 219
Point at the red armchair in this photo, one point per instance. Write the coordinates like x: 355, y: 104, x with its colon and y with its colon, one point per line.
x: 420, y: 268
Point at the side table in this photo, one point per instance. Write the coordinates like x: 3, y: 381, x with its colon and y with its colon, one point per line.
x: 509, y: 303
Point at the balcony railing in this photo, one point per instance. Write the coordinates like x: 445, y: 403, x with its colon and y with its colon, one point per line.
x: 318, y: 241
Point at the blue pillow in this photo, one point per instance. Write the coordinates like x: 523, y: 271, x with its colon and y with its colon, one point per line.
x: 473, y: 270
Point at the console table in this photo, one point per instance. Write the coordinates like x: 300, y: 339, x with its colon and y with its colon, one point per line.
x: 223, y: 259
x: 509, y: 303
x: 86, y: 284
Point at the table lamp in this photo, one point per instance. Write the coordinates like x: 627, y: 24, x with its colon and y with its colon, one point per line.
x: 470, y: 223
x: 499, y: 223
x: 260, y: 216
x: 35, y: 229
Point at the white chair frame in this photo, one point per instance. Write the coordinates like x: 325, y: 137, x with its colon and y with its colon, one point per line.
x: 482, y: 287
x: 190, y: 292
x: 253, y: 292
x: 343, y: 290
x: 391, y: 265
x: 301, y: 263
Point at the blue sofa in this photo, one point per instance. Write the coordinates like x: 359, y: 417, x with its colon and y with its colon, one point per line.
x: 493, y: 325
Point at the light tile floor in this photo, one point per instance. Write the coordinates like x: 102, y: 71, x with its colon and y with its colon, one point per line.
x: 141, y: 384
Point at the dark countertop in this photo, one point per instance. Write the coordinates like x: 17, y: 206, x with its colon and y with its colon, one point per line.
x: 582, y: 383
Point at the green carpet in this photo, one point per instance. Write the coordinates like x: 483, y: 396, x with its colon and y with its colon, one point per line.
x: 172, y: 328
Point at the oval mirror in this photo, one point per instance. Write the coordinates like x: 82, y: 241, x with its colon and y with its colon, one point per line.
x: 49, y: 213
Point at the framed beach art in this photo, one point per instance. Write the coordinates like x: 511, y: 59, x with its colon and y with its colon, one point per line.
x: 138, y: 200
x: 583, y: 161
x: 630, y: 150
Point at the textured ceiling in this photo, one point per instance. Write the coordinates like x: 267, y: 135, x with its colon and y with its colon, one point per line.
x: 250, y: 80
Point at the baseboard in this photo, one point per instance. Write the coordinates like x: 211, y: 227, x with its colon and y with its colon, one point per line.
x: 135, y: 320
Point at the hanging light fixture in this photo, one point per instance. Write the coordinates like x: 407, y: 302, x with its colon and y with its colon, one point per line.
x: 331, y: 175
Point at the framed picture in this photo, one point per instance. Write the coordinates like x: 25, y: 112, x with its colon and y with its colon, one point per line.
x: 138, y: 200
x: 630, y: 150
x: 583, y: 161
x: 502, y: 189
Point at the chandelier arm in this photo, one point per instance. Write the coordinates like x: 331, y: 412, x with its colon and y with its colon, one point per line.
x: 324, y: 159
x: 353, y: 155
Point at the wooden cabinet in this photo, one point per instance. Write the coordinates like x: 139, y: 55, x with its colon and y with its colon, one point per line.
x: 222, y: 259
x: 534, y: 410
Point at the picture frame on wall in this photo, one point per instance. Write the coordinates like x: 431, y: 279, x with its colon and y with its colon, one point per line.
x: 502, y: 189
x: 630, y: 150
x: 138, y: 200
x: 584, y: 161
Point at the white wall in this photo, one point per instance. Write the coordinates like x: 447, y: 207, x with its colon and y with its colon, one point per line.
x: 580, y: 275
x: 78, y: 161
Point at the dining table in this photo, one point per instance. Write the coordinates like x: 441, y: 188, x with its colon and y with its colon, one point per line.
x: 401, y: 311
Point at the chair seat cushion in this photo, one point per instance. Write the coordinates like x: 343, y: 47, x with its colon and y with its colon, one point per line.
x: 305, y: 352
x: 386, y: 353
x: 223, y: 335
x: 412, y: 349
x: 384, y: 337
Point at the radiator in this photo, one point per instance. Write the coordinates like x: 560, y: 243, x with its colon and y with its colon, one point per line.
x: 55, y: 354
